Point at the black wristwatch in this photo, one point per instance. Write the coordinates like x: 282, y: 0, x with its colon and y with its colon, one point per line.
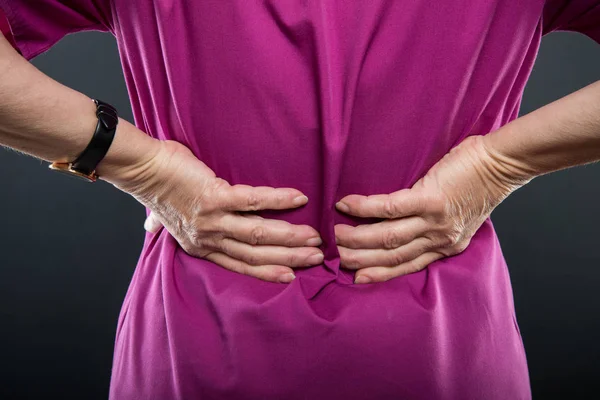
x: 84, y: 166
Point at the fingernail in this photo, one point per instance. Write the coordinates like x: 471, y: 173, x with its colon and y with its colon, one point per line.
x: 287, y: 278
x: 316, y: 241
x: 362, y: 279
x: 342, y: 207
x: 300, y: 200
x: 315, y: 258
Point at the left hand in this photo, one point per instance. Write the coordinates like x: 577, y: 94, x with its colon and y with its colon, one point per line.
x: 435, y: 218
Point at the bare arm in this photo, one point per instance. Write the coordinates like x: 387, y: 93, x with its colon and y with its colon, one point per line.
x: 559, y: 135
x: 43, y: 118
x: 438, y: 216
x: 46, y: 119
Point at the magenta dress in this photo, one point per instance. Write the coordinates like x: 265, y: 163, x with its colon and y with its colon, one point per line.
x: 332, y: 98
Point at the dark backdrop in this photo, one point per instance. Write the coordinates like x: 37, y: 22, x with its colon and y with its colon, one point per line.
x: 68, y: 249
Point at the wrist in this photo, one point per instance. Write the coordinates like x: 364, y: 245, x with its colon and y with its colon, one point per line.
x: 155, y: 176
x: 502, y: 172
x: 129, y: 156
x: 507, y: 169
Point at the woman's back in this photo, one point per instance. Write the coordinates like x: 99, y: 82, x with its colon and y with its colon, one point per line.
x: 331, y: 98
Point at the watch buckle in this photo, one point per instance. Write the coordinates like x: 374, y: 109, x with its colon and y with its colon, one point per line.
x: 67, y: 167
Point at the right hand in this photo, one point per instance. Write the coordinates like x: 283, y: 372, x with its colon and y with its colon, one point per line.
x: 204, y: 214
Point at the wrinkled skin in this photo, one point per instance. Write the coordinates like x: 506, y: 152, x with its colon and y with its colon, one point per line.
x: 209, y: 217
x: 435, y: 218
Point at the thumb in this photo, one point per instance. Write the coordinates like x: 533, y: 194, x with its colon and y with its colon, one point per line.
x: 152, y: 224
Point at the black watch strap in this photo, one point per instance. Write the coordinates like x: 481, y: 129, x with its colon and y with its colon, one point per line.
x: 95, y: 151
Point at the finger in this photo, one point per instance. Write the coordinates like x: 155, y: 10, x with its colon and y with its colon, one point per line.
x: 152, y: 224
x: 252, y: 198
x: 269, y: 255
x: 399, y: 204
x: 254, y: 216
x: 270, y: 273
x: 364, y: 258
x: 382, y: 274
x: 388, y: 234
x: 266, y: 231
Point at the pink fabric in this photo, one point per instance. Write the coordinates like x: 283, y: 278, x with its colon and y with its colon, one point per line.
x: 5, y: 29
x: 332, y: 98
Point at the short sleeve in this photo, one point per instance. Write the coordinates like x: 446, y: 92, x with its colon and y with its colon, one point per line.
x: 33, y: 26
x: 581, y: 16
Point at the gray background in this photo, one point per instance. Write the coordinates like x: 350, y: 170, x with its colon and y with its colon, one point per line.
x: 69, y: 248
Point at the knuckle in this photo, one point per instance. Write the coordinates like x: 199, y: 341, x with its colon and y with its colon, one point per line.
x: 352, y: 242
x: 269, y: 276
x: 447, y: 252
x: 445, y: 241
x: 208, y: 255
x: 203, y: 253
x: 194, y: 250
x: 253, y: 202
x: 349, y: 240
x: 289, y: 239
x: 292, y: 259
x: 352, y: 261
x: 281, y: 198
x: 397, y: 258
x: 425, y: 246
x: 449, y: 237
x: 437, y: 205
x: 390, y: 210
x: 218, y: 184
x: 428, y: 244
x: 460, y: 246
x: 206, y: 204
x: 214, y: 241
x: 223, y: 246
x: 214, y: 228
x: 412, y: 268
x: 195, y: 237
x: 253, y: 258
x: 453, y: 237
x: 391, y: 239
x: 257, y: 235
x: 208, y: 194
x: 243, y: 268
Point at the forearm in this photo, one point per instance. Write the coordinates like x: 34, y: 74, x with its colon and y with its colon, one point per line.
x: 48, y: 120
x: 559, y: 135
